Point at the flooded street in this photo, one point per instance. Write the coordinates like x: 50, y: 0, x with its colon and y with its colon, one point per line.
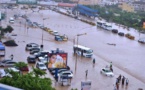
x: 128, y: 56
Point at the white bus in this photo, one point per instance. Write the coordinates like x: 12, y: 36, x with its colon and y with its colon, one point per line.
x: 100, y: 23
x: 83, y: 51
x: 107, y: 26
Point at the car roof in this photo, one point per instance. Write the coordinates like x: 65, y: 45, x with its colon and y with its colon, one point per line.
x: 40, y: 63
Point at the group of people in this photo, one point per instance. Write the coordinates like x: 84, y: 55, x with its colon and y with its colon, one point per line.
x: 121, y: 79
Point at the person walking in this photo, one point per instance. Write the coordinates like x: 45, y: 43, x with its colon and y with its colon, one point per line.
x: 123, y: 79
x: 110, y: 64
x: 119, y: 78
x: 12, y: 56
x: 127, y: 81
x: 86, y: 73
x: 94, y: 61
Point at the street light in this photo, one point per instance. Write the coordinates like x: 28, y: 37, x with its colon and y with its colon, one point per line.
x: 77, y: 46
x: 42, y: 32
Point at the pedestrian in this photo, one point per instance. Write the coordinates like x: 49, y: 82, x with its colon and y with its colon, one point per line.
x: 110, y: 64
x: 117, y: 86
x: 119, y: 78
x: 111, y: 69
x: 12, y: 56
x: 94, y: 61
x: 123, y: 79
x: 86, y: 73
x: 127, y: 81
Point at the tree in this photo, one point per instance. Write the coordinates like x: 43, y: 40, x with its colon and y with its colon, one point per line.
x: 38, y: 72
x: 8, y: 29
x: 28, y: 81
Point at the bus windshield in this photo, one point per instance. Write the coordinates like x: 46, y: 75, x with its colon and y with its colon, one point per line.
x: 89, y: 51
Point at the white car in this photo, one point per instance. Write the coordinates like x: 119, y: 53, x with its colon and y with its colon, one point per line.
x: 41, y: 66
x: 42, y: 59
x: 8, y: 63
x: 107, y: 72
x: 66, y: 73
x: 3, y: 72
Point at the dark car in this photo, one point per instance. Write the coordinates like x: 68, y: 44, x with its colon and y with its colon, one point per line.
x: 31, y: 59
x: 59, y: 71
x: 35, y: 48
x: 141, y: 41
x: 121, y: 34
x: 115, y: 31
x: 58, y: 38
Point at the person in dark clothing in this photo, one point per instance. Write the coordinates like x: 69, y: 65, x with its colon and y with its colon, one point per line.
x: 119, y: 77
x: 86, y: 73
x: 123, y: 79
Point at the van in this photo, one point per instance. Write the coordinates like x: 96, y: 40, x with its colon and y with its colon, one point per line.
x: 83, y: 51
x: 11, y: 20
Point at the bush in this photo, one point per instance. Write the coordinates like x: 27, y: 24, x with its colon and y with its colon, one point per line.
x: 10, y: 43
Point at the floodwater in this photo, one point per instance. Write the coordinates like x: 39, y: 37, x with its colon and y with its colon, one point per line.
x: 128, y: 56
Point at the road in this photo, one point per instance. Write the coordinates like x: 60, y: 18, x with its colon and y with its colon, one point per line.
x: 127, y: 56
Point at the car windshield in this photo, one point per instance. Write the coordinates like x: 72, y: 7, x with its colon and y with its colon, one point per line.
x: 41, y: 65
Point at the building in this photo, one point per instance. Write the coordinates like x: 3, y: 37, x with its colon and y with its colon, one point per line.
x: 139, y: 6
x: 126, y: 7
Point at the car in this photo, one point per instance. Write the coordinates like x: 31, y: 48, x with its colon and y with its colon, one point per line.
x: 41, y: 53
x: 114, y: 30
x: 43, y: 59
x: 31, y: 59
x: 64, y: 73
x: 55, y: 33
x: 35, y: 48
x: 142, y: 40
x: 8, y: 63
x: 4, y: 72
x: 5, y: 60
x: 107, y: 72
x: 34, y: 51
x: 58, y: 38
x: 41, y: 66
x: 121, y: 34
x: 31, y: 45
x: 59, y: 71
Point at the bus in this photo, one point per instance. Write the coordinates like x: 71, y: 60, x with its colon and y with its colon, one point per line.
x: 83, y: 51
x: 107, y: 26
x: 100, y: 23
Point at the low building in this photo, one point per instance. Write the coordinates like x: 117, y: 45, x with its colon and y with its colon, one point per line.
x: 126, y: 7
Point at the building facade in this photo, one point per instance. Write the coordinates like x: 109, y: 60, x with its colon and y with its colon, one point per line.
x: 126, y: 7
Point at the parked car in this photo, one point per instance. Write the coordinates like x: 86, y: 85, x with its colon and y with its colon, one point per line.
x: 121, y: 34
x: 31, y: 59
x: 55, y: 33
x: 41, y: 66
x: 58, y: 38
x: 5, y: 60
x: 114, y: 30
x: 59, y: 71
x: 66, y: 73
x: 8, y: 63
x: 34, y: 51
x: 35, y: 48
x: 31, y: 45
x: 128, y: 35
x: 4, y: 72
x: 43, y: 59
x: 142, y: 40
x: 24, y: 68
x: 107, y: 72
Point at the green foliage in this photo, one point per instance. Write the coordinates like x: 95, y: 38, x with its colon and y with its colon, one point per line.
x: 21, y: 65
x: 38, y: 72
x: 128, y: 19
x: 8, y: 29
x: 28, y: 81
